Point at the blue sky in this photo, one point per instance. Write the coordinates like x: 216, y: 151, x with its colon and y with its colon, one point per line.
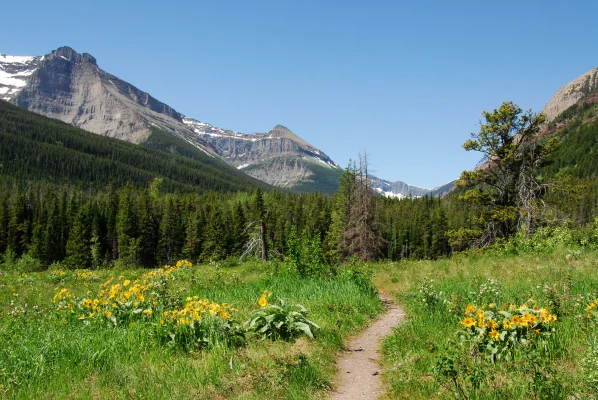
x: 404, y: 81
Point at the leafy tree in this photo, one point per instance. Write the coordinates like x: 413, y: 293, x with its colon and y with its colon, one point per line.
x: 504, y: 187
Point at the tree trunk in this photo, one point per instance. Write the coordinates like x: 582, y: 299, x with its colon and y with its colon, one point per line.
x: 263, y: 239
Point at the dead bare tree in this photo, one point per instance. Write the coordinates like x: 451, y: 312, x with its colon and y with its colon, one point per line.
x: 361, y: 235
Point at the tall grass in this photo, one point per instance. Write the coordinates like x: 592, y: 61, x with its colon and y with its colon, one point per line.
x: 46, y: 355
x: 434, y: 295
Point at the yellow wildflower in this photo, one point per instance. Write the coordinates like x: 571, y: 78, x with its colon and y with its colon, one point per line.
x: 468, y: 322
x: 262, y: 301
x: 493, y: 334
x: 470, y: 309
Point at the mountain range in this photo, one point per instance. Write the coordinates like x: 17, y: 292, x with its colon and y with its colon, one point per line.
x: 71, y: 87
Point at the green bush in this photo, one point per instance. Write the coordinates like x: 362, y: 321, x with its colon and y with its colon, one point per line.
x: 280, y: 321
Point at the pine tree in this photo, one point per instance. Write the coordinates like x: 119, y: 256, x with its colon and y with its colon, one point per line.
x: 126, y: 228
x: 78, y: 247
x: 215, y: 237
x: 148, y: 227
x: 171, y: 239
x: 193, y: 233
x: 238, y: 231
x: 504, y: 188
x: 335, y: 245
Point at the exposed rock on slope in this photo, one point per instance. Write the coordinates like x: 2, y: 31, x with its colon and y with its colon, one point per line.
x: 577, y: 90
x: 71, y: 87
x: 278, y: 157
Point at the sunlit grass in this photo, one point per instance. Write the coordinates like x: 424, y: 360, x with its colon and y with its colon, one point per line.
x: 557, y: 281
x: 46, y: 355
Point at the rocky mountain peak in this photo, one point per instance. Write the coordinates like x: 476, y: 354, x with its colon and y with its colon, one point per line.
x: 281, y: 131
x: 69, y: 86
x: 69, y: 54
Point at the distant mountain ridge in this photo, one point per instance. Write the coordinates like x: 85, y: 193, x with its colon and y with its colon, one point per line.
x: 400, y: 189
x: 69, y: 86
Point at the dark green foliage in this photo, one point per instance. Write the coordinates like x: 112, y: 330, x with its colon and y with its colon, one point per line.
x: 34, y: 147
x: 143, y: 227
x: 327, y: 182
x: 78, y: 246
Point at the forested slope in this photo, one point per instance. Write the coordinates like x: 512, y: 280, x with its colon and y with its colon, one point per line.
x: 33, y: 147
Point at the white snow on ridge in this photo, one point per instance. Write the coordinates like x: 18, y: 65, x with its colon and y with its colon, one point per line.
x: 8, y: 80
x: 325, y: 163
x: 15, y: 59
x: 390, y: 194
x: 20, y: 68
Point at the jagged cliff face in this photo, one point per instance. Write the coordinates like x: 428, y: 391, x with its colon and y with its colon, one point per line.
x: 278, y: 157
x: 583, y: 88
x: 71, y: 87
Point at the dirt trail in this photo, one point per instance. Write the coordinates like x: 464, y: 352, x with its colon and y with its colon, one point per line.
x: 358, y: 374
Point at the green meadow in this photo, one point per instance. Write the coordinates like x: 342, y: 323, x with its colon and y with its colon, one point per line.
x: 510, y: 321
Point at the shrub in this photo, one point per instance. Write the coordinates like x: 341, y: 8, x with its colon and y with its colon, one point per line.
x: 279, y: 321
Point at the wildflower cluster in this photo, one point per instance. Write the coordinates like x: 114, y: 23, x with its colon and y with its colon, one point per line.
x: 432, y: 298
x: 592, y: 311
x: 85, y: 275
x: 499, y: 331
x: 194, y: 310
x: 57, y: 275
x: 118, y: 300
x: 589, y: 363
x: 199, y: 324
x: 490, y: 289
x: 63, y: 299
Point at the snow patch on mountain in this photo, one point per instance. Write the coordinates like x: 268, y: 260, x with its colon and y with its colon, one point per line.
x: 400, y: 189
x: 14, y: 71
x: 390, y: 194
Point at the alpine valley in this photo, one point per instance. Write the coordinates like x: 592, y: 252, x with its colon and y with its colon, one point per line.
x: 71, y: 87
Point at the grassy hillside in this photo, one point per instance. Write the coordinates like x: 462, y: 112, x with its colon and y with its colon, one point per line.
x: 33, y: 147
